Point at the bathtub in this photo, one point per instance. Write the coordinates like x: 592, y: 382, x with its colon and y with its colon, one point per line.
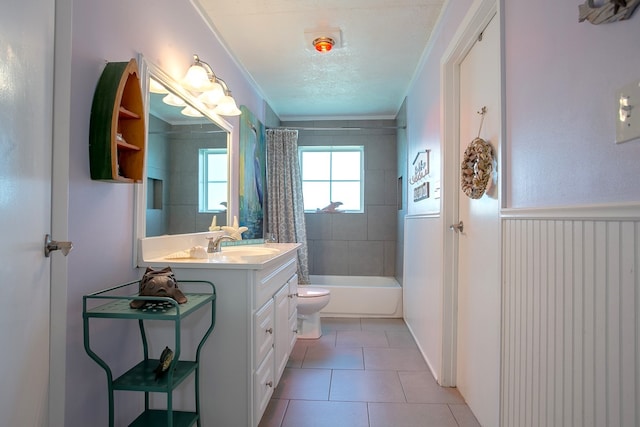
x: 360, y: 296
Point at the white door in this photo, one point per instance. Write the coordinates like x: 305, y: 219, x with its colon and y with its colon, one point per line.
x: 26, y: 103
x: 478, y: 334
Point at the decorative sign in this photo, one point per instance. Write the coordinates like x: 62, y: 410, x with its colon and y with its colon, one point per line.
x: 421, y: 192
x: 420, y: 172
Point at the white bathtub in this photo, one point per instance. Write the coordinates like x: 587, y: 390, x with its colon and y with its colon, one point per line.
x: 361, y: 296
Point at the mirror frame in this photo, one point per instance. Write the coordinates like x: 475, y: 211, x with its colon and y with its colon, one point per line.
x: 148, y: 70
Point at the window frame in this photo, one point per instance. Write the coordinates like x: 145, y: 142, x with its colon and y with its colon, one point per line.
x: 332, y: 149
x: 203, y: 178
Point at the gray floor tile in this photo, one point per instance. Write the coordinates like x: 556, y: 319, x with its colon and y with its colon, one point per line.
x: 384, y: 325
x: 366, y: 386
x: 301, y: 413
x: 340, y: 324
x: 363, y: 373
x: 464, y: 416
x: 405, y: 359
x: 310, y: 384
x: 274, y: 414
x: 400, y: 339
x: 362, y: 339
x: 296, y: 357
x: 421, y: 387
x: 328, y: 339
x: 333, y: 358
x: 410, y: 415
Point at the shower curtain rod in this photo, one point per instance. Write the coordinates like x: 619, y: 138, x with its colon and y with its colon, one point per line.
x: 185, y: 132
x: 338, y: 128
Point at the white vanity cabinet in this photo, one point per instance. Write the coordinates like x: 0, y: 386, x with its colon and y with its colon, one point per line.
x: 275, y: 335
x: 286, y: 315
x: 255, y: 331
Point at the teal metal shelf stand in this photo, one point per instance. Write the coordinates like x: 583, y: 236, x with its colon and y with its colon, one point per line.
x: 111, y: 304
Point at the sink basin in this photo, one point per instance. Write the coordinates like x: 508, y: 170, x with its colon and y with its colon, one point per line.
x: 248, y: 251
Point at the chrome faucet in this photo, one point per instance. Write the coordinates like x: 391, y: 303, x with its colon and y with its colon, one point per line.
x: 214, y: 243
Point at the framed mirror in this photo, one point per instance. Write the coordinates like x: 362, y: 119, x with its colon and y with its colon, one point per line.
x: 186, y: 184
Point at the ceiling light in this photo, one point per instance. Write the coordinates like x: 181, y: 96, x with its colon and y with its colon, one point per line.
x: 323, y: 39
x: 323, y: 44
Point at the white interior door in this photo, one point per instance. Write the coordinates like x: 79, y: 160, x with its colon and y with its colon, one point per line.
x: 478, y: 333
x: 26, y: 100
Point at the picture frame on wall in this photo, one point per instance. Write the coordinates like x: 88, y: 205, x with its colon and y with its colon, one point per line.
x: 253, y: 175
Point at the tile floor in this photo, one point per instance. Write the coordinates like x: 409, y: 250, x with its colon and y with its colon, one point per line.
x: 362, y: 373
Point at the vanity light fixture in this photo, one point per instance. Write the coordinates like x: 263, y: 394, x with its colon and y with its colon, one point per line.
x: 212, y: 90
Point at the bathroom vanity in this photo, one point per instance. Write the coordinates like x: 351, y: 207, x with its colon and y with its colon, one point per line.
x: 256, y: 321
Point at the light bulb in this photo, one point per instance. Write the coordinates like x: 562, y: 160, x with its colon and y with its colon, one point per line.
x: 174, y: 100
x: 156, y: 87
x: 211, y: 97
x: 227, y: 107
x: 191, y: 112
x: 197, y: 79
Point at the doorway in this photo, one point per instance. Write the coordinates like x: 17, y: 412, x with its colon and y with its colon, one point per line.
x: 472, y: 270
x: 25, y: 203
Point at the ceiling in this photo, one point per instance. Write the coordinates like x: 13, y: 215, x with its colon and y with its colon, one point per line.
x: 382, y: 43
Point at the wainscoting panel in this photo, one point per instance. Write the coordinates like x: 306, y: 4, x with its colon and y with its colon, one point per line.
x: 570, y: 322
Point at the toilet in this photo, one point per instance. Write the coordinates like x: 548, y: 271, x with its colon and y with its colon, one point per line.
x: 310, y: 301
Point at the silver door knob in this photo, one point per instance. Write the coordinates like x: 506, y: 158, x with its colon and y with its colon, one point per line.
x: 459, y: 227
x: 53, y: 245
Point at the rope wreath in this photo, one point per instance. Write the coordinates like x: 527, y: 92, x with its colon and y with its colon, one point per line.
x: 476, y: 168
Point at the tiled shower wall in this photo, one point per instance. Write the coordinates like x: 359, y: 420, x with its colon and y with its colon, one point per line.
x: 357, y: 244
x: 173, y: 160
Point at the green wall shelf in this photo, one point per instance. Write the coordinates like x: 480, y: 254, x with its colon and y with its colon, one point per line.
x: 112, y: 304
x: 117, y: 134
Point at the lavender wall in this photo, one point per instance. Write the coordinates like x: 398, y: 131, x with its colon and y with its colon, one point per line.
x: 561, y: 80
x: 561, y: 77
x: 101, y: 215
x: 423, y: 106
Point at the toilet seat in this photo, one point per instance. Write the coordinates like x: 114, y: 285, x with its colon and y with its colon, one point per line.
x: 312, y: 292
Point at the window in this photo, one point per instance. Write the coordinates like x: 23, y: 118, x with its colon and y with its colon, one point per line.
x: 332, y: 174
x: 212, y: 180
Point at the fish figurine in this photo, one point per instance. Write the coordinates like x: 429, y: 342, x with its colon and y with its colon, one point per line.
x: 331, y: 207
x: 163, y: 365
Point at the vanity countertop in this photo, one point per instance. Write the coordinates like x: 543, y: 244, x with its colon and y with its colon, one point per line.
x: 245, y: 257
